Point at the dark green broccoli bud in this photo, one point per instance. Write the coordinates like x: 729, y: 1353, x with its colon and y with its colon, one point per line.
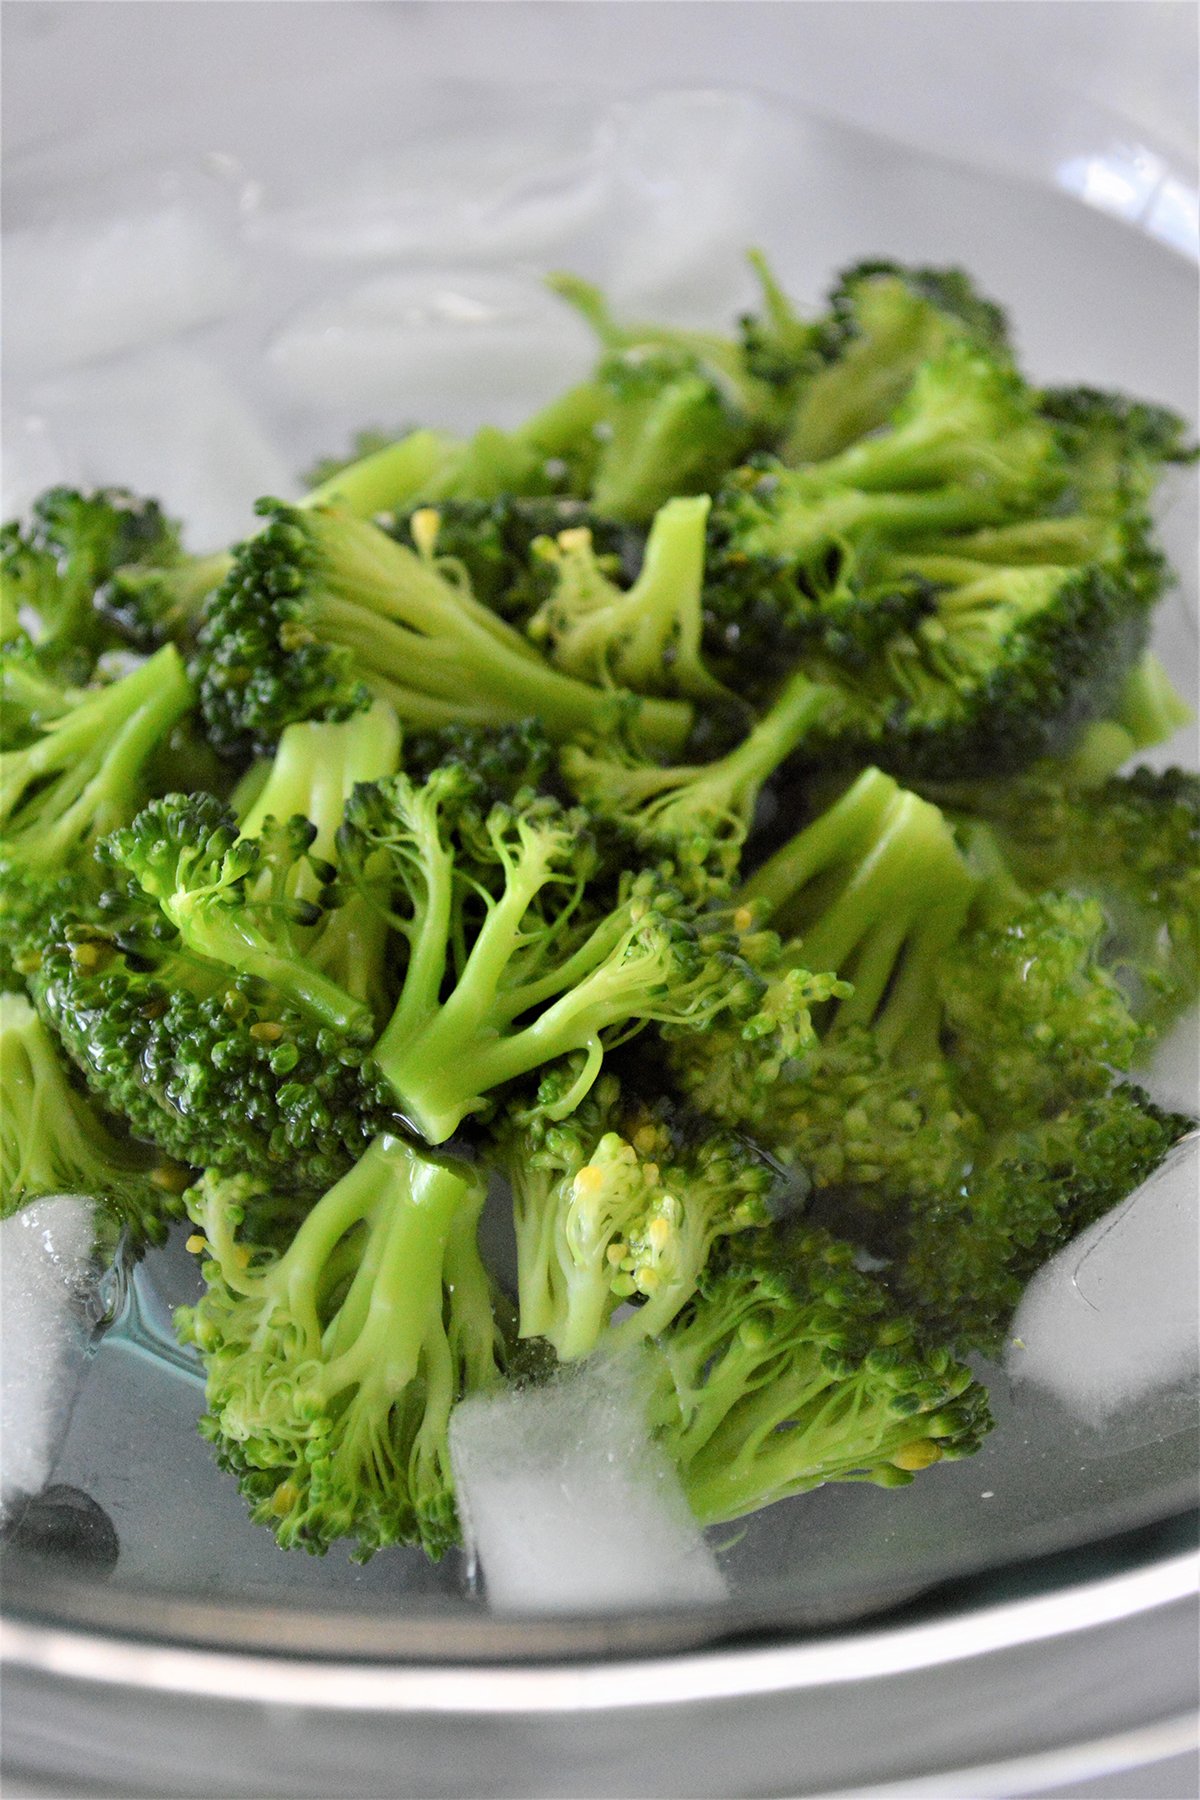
x: 502, y: 761
x: 493, y: 904
x: 80, y: 778
x: 695, y: 816
x: 967, y: 1254
x: 1033, y: 1017
x: 779, y: 348
x: 1008, y: 665
x: 157, y: 602
x: 885, y: 321
x: 215, y: 1069
x: 322, y: 610
x: 1115, y: 445
x: 646, y: 637
x: 332, y: 1365
x: 498, y: 543
x: 50, y: 573
x: 30, y: 900
x: 790, y: 1369
x: 619, y: 1201
x: 54, y: 1141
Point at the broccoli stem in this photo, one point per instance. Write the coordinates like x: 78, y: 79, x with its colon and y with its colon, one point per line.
x: 317, y: 767
x: 75, y: 783
x: 421, y: 642
x: 386, y: 478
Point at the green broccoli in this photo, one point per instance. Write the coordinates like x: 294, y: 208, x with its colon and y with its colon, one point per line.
x: 499, y: 544
x: 965, y: 1255
x: 884, y: 322
x: 695, y: 816
x: 50, y: 572
x: 790, y: 1369
x: 646, y: 637
x: 54, y: 1141
x: 506, y: 970
x: 332, y: 1364
x: 618, y: 1201
x: 321, y: 610
x: 82, y: 774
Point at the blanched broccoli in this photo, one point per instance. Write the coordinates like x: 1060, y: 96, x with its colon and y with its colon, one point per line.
x: 966, y: 1254
x: 620, y: 1200
x: 884, y: 322
x: 51, y: 571
x: 646, y: 637
x: 157, y: 994
x: 791, y: 1369
x: 333, y: 1362
x: 696, y: 816
x: 54, y: 1141
x: 506, y: 968
x: 500, y: 542
x: 322, y: 610
x: 1131, y: 844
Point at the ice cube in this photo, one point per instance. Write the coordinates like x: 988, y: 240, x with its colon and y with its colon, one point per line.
x: 423, y: 346
x: 1111, y: 1323
x: 89, y: 288
x: 568, y: 1505
x: 49, y: 1284
x: 471, y: 180
x: 702, y: 174
x: 166, y: 423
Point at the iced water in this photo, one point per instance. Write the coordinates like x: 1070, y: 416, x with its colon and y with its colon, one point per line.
x: 1110, y: 1326
x: 51, y: 1298
x: 568, y: 1506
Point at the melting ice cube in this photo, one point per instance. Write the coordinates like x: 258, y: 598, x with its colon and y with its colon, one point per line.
x: 49, y: 1306
x: 1112, y: 1323
x: 569, y: 1506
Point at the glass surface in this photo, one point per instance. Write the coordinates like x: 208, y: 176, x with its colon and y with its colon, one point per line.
x: 203, y: 322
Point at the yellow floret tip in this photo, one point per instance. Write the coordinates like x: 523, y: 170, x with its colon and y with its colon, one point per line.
x: 425, y: 524
x: 920, y: 1454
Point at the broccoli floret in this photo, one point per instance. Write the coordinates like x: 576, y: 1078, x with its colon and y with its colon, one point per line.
x: 695, y: 816
x: 321, y: 610
x: 54, y: 1141
x: 493, y: 905
x: 234, y: 901
x: 308, y: 784
x: 967, y: 1254
x: 194, y: 995
x: 884, y: 322
x: 646, y: 637
x: 152, y: 603
x: 619, y: 1201
x: 679, y: 408
x: 502, y: 761
x: 778, y: 347
x: 876, y: 889
x: 76, y: 781
x: 1132, y: 844
x: 50, y: 573
x: 790, y: 1369
x: 1032, y: 1016
x: 1116, y: 445
x: 332, y: 1364
x: 499, y: 542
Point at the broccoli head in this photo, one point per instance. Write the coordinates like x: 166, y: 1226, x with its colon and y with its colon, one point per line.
x: 791, y: 1368
x: 619, y: 1201
x: 332, y: 1363
x: 53, y: 1140
x: 321, y: 611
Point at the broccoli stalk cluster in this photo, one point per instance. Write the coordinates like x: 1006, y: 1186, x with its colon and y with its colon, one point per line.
x: 693, y: 819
